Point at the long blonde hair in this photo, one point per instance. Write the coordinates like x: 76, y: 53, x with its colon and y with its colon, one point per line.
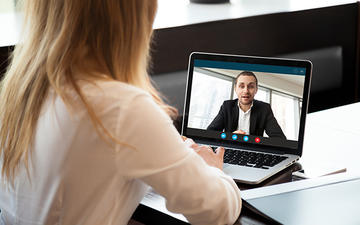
x: 60, y: 37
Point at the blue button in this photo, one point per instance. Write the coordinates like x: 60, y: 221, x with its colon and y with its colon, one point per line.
x: 234, y: 136
x: 246, y: 138
x: 223, y: 135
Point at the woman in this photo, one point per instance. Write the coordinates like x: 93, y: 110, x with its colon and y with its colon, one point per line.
x: 84, y: 133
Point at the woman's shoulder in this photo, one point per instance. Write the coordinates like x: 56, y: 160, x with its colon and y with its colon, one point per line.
x: 113, y: 90
x: 112, y: 95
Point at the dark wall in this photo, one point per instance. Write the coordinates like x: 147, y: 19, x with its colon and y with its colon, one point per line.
x: 272, y: 35
x: 4, y: 55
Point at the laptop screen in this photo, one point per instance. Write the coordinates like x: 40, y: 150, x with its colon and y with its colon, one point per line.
x: 246, y: 101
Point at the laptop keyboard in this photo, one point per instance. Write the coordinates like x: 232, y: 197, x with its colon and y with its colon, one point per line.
x: 252, y: 159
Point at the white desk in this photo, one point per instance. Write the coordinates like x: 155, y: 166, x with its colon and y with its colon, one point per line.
x: 173, y: 13
x: 10, y: 26
x: 332, y: 137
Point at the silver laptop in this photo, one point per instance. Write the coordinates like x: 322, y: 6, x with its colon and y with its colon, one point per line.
x: 254, y: 107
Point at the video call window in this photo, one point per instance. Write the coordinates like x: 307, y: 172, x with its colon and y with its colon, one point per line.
x: 212, y: 86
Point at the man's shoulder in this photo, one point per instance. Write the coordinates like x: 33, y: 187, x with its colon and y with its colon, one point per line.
x: 233, y: 101
x: 230, y: 102
x: 260, y: 104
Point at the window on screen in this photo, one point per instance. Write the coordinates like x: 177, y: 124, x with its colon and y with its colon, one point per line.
x: 204, y: 107
x: 287, y: 113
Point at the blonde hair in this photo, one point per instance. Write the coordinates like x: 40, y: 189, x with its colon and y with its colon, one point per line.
x: 63, y: 39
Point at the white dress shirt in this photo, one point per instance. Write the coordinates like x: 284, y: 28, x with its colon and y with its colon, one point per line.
x: 77, y: 178
x: 244, y: 119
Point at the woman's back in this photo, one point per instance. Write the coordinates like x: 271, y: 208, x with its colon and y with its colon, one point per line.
x: 75, y: 174
x: 79, y: 178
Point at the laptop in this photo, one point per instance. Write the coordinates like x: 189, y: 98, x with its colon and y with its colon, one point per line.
x: 254, y: 107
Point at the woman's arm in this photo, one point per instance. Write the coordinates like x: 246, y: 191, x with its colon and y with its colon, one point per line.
x: 203, y: 193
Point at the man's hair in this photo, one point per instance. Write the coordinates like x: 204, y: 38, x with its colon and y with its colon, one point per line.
x: 246, y: 73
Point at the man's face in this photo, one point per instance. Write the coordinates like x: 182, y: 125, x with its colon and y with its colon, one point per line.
x: 246, y: 89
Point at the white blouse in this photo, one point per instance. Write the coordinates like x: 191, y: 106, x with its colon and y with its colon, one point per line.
x: 78, y: 178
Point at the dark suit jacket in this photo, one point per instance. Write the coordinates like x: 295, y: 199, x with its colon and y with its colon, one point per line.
x: 261, y: 119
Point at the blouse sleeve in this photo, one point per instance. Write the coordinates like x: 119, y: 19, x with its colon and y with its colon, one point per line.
x: 155, y: 153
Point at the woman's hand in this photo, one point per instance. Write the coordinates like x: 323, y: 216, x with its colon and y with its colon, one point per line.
x: 212, y: 159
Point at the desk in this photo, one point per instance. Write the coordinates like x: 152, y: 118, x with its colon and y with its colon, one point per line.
x: 331, y: 137
x: 177, y: 13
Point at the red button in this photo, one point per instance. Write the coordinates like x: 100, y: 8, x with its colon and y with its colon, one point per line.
x: 257, y: 140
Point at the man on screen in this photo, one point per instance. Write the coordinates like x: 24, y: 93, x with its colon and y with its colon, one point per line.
x: 245, y: 115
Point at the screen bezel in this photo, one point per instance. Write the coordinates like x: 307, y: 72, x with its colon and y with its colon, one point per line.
x: 251, y: 60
